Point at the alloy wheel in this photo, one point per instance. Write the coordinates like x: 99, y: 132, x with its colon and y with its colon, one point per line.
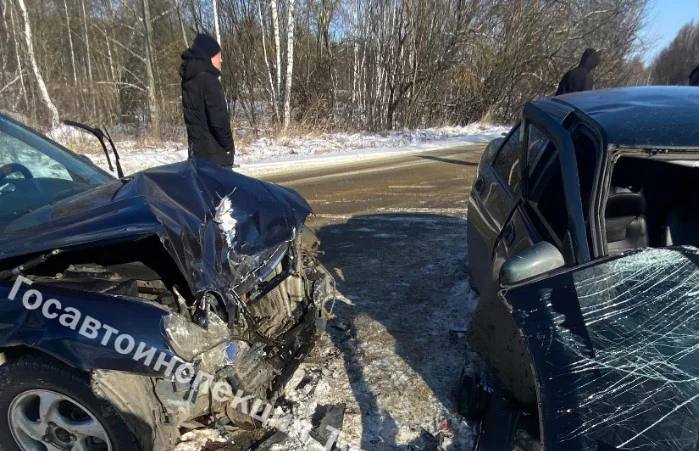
x: 45, y: 420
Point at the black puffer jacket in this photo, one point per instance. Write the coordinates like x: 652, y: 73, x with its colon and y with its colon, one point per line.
x: 205, y: 110
x: 694, y: 77
x: 580, y: 78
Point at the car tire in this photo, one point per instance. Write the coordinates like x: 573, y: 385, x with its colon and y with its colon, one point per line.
x: 30, y: 380
x: 499, y: 427
x: 472, y: 397
x: 506, y: 426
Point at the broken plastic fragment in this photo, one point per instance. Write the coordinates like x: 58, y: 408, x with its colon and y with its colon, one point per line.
x: 225, y: 220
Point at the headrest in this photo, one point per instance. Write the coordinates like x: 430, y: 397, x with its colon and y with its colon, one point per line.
x: 625, y: 202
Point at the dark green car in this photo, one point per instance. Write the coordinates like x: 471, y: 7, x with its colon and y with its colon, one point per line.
x: 582, y: 231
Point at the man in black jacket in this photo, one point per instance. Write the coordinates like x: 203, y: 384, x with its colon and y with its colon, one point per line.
x: 204, y: 104
x: 694, y: 77
x: 580, y: 78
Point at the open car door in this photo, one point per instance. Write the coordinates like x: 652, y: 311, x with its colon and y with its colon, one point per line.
x: 614, y: 347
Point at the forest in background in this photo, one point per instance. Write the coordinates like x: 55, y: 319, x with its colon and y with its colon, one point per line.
x: 321, y: 65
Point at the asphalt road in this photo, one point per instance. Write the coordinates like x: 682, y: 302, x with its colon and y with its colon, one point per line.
x: 393, y: 232
x: 429, y: 182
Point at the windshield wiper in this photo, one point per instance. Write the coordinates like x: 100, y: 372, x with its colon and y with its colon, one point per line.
x: 117, y: 160
x: 101, y: 135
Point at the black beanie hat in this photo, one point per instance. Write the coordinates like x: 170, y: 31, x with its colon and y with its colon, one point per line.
x: 206, y: 45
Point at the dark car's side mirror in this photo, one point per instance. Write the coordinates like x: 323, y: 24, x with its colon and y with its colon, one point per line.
x: 531, y: 262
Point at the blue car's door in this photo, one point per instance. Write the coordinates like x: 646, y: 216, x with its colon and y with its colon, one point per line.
x: 614, y: 346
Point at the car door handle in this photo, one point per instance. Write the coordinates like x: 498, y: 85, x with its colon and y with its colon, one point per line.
x: 508, y: 234
x: 479, y: 185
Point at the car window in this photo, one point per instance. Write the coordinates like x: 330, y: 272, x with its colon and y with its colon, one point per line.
x: 538, y: 142
x: 35, y: 172
x: 545, y: 193
x: 16, y: 151
x: 586, y: 158
x: 507, y: 162
x: 545, y: 196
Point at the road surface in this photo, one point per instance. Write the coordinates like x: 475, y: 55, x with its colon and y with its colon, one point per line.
x: 393, y: 233
x: 434, y: 181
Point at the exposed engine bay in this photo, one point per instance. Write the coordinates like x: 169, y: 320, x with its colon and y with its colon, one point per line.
x: 295, y: 288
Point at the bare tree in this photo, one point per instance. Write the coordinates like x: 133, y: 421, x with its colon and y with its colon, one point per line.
x: 181, y: 21
x: 217, y: 27
x: 69, y: 33
x: 88, y: 57
x: 674, y: 63
x: 334, y: 64
x: 272, y: 91
x: 277, y: 48
x: 289, y: 63
x: 45, y: 97
x: 153, y: 109
x: 20, y: 69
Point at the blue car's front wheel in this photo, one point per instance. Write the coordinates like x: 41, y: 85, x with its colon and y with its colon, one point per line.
x: 45, y: 405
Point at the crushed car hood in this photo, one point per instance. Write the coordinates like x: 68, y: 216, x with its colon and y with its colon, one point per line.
x: 221, y: 228
x: 615, y: 351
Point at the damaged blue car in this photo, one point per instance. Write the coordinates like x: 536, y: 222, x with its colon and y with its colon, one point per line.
x: 116, y: 294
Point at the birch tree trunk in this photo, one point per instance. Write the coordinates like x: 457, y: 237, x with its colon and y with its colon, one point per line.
x: 153, y: 110
x: 179, y: 17
x: 20, y: 69
x: 45, y: 97
x: 70, y: 44
x: 278, y: 50
x: 88, y: 55
x: 355, y: 45
x: 216, y: 22
x: 289, y: 64
x: 273, y: 94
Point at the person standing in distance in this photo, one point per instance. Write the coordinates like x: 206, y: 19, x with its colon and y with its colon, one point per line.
x: 580, y: 78
x: 694, y: 77
x: 204, y: 104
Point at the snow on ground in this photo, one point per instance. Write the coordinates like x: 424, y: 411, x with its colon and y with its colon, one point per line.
x: 266, y: 149
x: 136, y: 157
x: 410, y: 415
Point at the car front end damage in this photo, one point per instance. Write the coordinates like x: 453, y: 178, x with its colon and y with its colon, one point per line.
x: 214, y: 271
x: 239, y: 367
x: 257, y: 351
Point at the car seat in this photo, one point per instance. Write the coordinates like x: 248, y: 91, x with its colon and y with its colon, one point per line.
x: 625, y: 220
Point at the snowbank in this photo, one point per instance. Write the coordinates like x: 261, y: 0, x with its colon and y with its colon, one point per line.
x: 265, y: 150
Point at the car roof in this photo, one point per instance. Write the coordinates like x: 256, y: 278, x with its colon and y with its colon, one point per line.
x: 648, y: 116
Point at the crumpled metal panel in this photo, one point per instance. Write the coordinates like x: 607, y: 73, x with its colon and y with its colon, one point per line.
x: 223, y: 229
x: 615, y: 349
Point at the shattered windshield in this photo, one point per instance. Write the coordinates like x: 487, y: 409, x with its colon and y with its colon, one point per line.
x: 616, y: 348
x: 35, y: 172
